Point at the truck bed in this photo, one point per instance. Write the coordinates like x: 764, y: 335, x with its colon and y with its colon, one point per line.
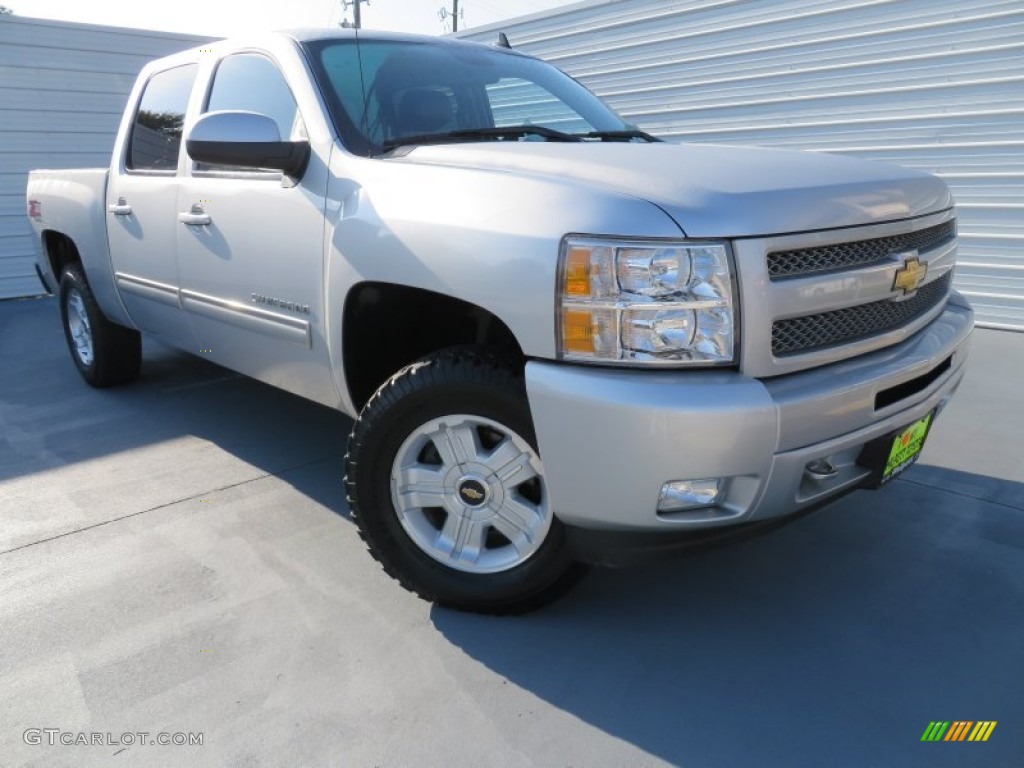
x: 71, y: 202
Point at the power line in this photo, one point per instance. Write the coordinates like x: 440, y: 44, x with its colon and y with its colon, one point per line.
x: 491, y: 7
x: 496, y: 8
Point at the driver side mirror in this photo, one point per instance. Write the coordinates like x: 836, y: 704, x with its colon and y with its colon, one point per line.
x: 247, y: 140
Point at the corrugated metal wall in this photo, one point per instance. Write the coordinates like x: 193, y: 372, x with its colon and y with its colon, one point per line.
x: 63, y: 88
x: 930, y: 84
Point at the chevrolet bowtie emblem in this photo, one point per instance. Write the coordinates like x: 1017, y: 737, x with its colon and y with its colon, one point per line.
x: 910, y: 275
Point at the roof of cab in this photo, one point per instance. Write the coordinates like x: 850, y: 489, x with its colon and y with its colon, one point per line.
x: 315, y: 34
x: 312, y: 34
x: 309, y: 34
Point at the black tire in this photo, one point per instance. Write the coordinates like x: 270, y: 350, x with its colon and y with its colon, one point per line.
x: 115, y: 353
x: 452, y: 384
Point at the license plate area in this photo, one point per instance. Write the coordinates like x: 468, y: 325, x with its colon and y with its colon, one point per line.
x: 890, y: 456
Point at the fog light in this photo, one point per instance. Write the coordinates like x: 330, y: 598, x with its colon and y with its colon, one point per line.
x: 689, y: 494
x: 821, y: 469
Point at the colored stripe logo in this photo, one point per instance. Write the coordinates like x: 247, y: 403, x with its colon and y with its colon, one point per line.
x: 959, y: 730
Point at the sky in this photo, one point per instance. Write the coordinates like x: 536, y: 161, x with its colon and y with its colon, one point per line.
x: 222, y: 18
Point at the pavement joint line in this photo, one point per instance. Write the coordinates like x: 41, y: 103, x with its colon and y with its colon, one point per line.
x: 963, y: 495
x: 265, y: 475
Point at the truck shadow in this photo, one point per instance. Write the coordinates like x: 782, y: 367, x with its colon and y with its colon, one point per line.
x: 842, y: 634
x: 51, y: 420
x: 268, y: 428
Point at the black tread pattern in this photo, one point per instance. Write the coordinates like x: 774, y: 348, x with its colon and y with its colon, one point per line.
x: 474, y: 365
x: 117, y: 351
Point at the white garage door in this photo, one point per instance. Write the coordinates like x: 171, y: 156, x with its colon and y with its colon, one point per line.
x: 63, y: 87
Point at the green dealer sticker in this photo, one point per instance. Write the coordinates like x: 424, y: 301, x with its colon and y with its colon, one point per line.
x: 906, y: 446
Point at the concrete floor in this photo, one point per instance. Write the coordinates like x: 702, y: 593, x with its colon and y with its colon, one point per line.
x: 176, y: 556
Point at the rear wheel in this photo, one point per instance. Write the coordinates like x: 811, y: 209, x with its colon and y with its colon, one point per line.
x: 105, y: 353
x: 448, y: 488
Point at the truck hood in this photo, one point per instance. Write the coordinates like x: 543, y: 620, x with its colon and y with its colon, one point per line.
x: 719, y: 191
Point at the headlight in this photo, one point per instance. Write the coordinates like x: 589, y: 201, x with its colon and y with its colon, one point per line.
x: 646, y: 302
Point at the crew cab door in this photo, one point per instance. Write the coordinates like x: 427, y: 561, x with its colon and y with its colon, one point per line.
x: 142, y: 197
x: 251, y: 246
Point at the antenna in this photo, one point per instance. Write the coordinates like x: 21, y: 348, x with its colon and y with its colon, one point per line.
x: 503, y: 41
x: 362, y: 85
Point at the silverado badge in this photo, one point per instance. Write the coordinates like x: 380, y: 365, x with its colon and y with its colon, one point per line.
x: 270, y: 301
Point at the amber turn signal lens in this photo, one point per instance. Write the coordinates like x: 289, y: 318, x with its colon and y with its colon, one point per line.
x: 577, y: 272
x: 578, y: 331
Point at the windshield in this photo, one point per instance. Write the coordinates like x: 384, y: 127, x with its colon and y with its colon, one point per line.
x: 422, y: 89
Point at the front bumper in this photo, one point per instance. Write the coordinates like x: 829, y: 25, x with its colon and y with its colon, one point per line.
x: 611, y: 438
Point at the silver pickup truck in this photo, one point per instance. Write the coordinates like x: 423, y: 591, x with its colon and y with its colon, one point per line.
x: 562, y: 340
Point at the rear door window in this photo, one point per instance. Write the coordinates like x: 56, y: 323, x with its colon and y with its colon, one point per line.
x: 155, y: 140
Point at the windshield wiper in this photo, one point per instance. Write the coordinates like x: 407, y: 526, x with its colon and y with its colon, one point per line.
x: 626, y: 135
x: 505, y: 132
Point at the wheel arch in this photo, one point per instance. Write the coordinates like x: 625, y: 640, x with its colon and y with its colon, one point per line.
x: 60, y: 251
x: 386, y: 326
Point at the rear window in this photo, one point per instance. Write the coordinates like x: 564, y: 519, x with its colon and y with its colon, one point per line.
x: 156, y: 133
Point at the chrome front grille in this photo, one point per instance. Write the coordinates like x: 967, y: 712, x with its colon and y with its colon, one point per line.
x: 829, y: 258
x: 843, y: 306
x: 825, y: 329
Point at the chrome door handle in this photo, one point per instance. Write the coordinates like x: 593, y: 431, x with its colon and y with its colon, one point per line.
x: 196, y: 217
x: 120, y: 208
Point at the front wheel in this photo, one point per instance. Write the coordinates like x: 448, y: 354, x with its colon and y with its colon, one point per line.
x: 448, y: 490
